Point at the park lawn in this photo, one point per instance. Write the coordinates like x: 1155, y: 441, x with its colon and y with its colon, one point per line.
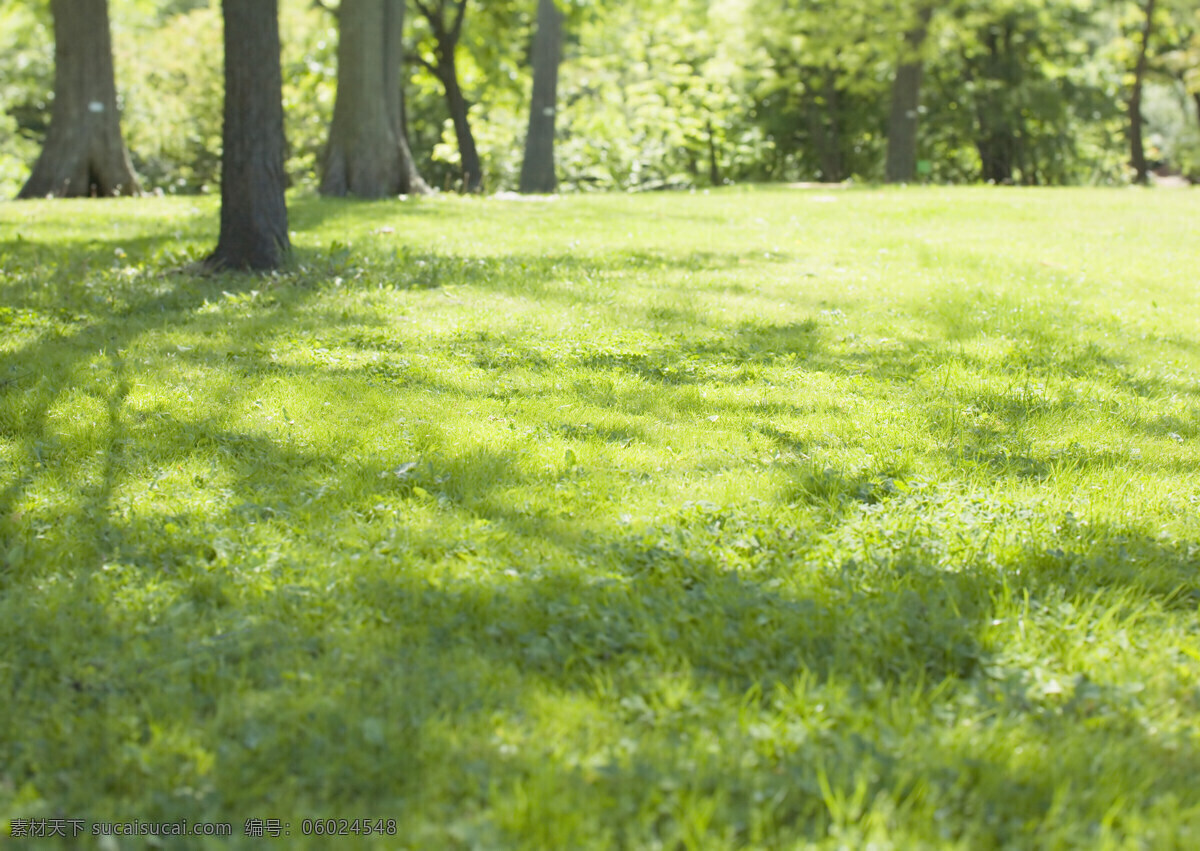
x: 759, y: 518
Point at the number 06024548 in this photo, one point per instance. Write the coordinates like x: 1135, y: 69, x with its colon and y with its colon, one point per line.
x: 348, y: 827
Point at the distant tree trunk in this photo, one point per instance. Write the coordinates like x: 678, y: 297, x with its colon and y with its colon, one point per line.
x: 1137, y: 151
x: 901, y: 165
x: 998, y: 136
x: 714, y: 165
x: 472, y: 170
x: 254, y: 224
x: 445, y: 69
x: 367, y: 153
x: 537, y: 169
x: 825, y: 131
x: 996, y: 145
x: 83, y: 154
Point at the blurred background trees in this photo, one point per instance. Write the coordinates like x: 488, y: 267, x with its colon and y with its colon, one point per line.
x: 666, y: 93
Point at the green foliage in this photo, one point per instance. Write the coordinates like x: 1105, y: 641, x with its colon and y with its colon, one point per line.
x: 1020, y: 92
x: 27, y: 57
x: 650, y: 95
x: 671, y: 94
x: 491, y: 56
x: 1173, y: 127
x: 741, y: 519
x: 822, y: 95
x: 309, y: 87
x: 1173, y: 93
x: 172, y: 86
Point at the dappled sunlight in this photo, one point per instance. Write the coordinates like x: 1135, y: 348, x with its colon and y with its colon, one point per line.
x: 416, y: 523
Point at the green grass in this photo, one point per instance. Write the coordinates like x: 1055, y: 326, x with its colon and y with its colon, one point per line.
x: 752, y: 519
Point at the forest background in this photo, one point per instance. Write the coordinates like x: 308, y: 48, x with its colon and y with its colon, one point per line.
x: 657, y: 94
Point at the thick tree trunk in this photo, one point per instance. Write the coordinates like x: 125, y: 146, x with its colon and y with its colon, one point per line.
x: 83, y: 154
x: 254, y: 224
x: 1137, y: 151
x: 368, y: 154
x: 901, y: 165
x: 472, y: 171
x: 537, y: 169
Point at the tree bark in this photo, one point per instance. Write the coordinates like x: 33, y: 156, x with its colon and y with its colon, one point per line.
x: 367, y: 153
x: 1137, y: 150
x: 411, y: 182
x: 472, y: 170
x: 537, y: 169
x: 84, y: 154
x: 254, y: 224
x: 901, y: 164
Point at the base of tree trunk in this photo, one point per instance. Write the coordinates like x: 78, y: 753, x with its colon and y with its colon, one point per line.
x: 66, y: 175
x: 367, y: 154
x: 84, y: 155
x: 254, y: 223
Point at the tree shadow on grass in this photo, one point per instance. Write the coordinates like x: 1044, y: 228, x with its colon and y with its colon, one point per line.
x: 423, y: 679
x: 653, y: 629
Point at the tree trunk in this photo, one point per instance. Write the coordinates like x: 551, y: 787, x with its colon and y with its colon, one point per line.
x: 901, y: 165
x: 411, y: 182
x: 997, y: 153
x: 416, y: 183
x: 254, y: 224
x: 84, y: 154
x: 714, y: 165
x: 825, y: 132
x: 537, y: 169
x: 472, y: 171
x: 1137, y: 151
x: 445, y: 69
x: 997, y: 137
x: 367, y: 153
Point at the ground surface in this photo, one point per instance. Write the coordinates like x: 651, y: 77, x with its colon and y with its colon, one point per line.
x: 753, y: 519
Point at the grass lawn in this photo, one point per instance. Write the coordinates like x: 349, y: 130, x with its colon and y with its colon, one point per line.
x: 765, y: 518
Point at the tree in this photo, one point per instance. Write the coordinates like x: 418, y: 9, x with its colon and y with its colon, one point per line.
x: 1137, y: 150
x: 537, y: 168
x: 1023, y: 86
x: 254, y: 225
x: 821, y: 90
x: 901, y: 166
x: 368, y: 153
x: 446, y: 32
x: 84, y: 154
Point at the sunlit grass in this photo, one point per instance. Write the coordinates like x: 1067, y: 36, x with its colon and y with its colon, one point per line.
x: 736, y: 520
